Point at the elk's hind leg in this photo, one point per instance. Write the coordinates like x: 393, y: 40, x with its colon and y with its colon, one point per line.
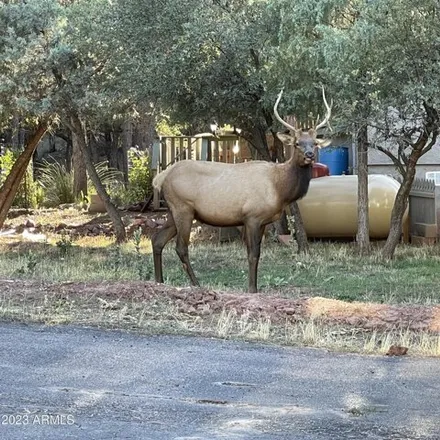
x: 159, y: 240
x: 183, y: 225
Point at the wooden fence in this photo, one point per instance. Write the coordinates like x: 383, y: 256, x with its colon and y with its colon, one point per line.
x: 424, y: 211
x: 170, y: 149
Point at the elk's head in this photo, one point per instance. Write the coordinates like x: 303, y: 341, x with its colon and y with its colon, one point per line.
x: 303, y: 142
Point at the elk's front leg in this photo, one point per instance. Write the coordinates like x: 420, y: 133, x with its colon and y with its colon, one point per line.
x: 254, y: 234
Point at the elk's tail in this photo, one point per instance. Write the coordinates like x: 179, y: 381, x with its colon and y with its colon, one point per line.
x: 160, y: 178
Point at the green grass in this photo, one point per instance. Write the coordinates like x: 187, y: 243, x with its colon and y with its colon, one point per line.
x: 100, y: 260
x: 330, y: 270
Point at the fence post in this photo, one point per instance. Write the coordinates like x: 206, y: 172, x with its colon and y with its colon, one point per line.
x: 155, y: 155
x: 205, y: 147
x: 437, y: 209
x: 424, y: 211
x: 163, y: 156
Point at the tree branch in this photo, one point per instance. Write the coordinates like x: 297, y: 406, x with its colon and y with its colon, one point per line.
x: 430, y: 144
x: 393, y: 158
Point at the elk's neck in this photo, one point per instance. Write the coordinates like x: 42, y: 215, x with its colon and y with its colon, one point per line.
x: 297, y: 180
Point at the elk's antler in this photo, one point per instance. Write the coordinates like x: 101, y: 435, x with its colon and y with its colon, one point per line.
x: 328, y: 114
x: 275, y: 110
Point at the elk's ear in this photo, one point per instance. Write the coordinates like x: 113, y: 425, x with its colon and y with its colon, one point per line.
x: 285, y: 138
x: 321, y: 143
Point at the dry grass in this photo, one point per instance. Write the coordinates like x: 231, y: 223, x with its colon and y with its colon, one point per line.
x: 163, y: 316
x: 52, y: 217
x: 331, y: 270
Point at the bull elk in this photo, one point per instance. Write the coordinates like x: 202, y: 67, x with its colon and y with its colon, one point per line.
x: 251, y: 194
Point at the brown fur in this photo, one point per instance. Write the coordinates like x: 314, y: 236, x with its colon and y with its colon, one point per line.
x: 252, y: 194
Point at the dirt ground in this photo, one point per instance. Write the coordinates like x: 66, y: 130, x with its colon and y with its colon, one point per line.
x: 81, y: 224
x: 203, y: 302
x: 199, y: 301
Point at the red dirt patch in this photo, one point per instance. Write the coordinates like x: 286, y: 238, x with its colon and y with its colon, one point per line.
x: 199, y: 301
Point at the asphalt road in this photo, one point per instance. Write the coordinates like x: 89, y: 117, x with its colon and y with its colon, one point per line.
x: 78, y: 383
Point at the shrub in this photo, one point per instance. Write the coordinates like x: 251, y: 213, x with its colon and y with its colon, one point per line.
x: 29, y: 194
x: 58, y: 183
x: 139, y: 179
x: 111, y: 178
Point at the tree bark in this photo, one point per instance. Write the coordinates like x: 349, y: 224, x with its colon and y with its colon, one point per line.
x: 112, y: 141
x: 113, y: 213
x: 144, y: 131
x: 79, y: 167
x: 15, y: 133
x: 256, y: 136
x: 12, y: 182
x: 277, y: 152
x: 281, y: 226
x: 400, y: 205
x: 363, y: 233
x: 427, y: 138
x: 127, y: 141
x: 300, y: 230
x: 69, y: 148
x: 69, y: 155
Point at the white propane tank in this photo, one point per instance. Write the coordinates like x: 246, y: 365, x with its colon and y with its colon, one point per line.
x: 330, y: 207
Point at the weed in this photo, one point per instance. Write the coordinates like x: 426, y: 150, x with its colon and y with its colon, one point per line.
x: 137, y: 236
x: 143, y: 269
x: 28, y: 266
x: 270, y: 280
x: 115, y: 260
x: 292, y: 228
x: 64, y: 244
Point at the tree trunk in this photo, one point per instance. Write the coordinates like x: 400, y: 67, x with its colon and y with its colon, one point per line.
x: 300, y: 230
x: 277, y: 151
x: 35, y: 164
x: 363, y: 234
x: 256, y: 136
x: 69, y: 155
x: 14, y: 142
x: 111, y: 147
x: 12, y: 182
x: 127, y: 141
x: 144, y: 131
x: 113, y: 213
x: 400, y: 205
x: 67, y: 138
x: 79, y: 167
x: 282, y: 226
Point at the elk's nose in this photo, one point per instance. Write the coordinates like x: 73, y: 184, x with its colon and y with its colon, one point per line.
x: 310, y: 155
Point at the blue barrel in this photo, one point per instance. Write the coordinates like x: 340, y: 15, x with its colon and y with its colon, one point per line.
x: 336, y: 158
